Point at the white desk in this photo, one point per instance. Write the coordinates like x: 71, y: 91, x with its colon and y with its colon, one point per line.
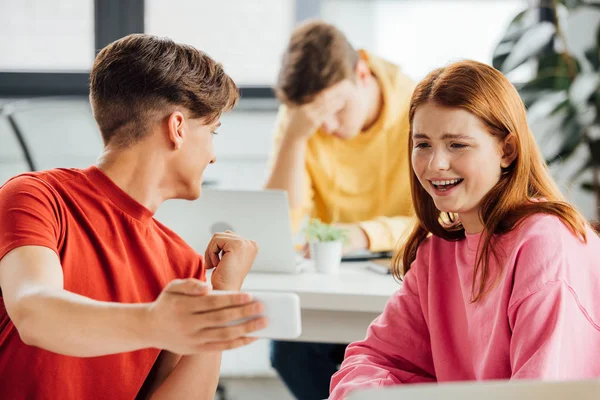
x: 335, y: 308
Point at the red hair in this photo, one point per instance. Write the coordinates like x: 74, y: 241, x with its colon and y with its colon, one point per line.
x: 524, y: 188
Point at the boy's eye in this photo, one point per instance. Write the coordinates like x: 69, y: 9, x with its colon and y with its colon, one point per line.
x: 421, y: 145
x: 458, y: 145
x: 215, y: 133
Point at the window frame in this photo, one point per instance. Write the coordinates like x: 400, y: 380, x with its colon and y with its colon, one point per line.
x: 114, y: 19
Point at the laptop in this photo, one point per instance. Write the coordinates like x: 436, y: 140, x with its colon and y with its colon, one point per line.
x: 260, y: 215
x: 489, y: 390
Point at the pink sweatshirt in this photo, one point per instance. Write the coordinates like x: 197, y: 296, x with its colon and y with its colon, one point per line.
x: 542, y: 320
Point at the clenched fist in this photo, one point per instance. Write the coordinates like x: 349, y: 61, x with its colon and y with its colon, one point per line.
x: 232, y: 256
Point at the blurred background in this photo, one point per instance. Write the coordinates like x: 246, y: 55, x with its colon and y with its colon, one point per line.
x: 549, y: 50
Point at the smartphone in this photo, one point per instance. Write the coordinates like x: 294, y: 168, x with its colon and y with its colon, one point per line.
x: 282, y: 310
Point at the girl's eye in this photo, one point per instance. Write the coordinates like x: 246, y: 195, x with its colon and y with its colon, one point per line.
x: 421, y: 145
x: 215, y: 133
x: 458, y: 145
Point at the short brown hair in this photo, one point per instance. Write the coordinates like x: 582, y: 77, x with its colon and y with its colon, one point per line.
x: 318, y: 56
x: 138, y: 75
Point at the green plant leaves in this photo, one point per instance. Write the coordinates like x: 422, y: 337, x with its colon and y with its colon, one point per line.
x: 567, y: 82
x: 571, y: 133
x: 322, y: 232
x: 583, y: 87
x: 518, y: 26
x: 529, y: 45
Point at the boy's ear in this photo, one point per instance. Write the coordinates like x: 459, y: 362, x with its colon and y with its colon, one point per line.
x: 362, y: 70
x: 509, y: 151
x: 175, y: 129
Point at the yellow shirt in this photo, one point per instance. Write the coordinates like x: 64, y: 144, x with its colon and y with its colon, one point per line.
x: 363, y: 179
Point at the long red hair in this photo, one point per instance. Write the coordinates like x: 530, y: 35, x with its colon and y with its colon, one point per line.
x: 524, y: 188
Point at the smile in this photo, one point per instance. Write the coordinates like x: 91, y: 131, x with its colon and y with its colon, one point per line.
x: 445, y: 185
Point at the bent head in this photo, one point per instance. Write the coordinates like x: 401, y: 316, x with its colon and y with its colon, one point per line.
x: 155, y: 95
x: 318, y: 57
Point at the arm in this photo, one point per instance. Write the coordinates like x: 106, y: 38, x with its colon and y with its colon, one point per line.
x: 552, y: 335
x: 396, y: 350
x: 49, y: 317
x: 288, y: 167
x: 187, y: 377
x: 380, y: 234
x: 384, y: 233
x: 294, y: 126
x: 183, y: 318
x: 176, y: 377
x: 552, y: 312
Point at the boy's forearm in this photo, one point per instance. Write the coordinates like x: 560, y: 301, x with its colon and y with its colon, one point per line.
x: 74, y: 325
x: 289, y: 169
x: 194, y: 377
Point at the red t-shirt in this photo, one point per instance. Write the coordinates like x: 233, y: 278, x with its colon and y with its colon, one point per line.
x: 111, y: 249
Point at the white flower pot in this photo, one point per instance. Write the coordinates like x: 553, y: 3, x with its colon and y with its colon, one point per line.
x: 327, y: 256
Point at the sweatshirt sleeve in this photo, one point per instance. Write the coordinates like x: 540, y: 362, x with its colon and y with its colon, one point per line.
x: 396, y: 350
x: 553, y: 312
x: 554, y: 336
x: 385, y: 232
x: 297, y: 214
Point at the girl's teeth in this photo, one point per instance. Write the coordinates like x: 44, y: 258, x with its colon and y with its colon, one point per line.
x: 446, y: 182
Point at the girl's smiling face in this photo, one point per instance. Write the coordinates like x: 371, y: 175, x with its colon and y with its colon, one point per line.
x: 456, y: 160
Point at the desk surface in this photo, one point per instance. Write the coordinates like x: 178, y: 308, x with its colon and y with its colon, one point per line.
x: 354, y: 288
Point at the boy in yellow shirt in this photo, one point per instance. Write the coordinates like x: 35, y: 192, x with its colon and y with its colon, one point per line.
x: 341, y: 143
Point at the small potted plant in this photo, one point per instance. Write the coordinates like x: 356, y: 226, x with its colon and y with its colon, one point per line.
x: 326, y: 243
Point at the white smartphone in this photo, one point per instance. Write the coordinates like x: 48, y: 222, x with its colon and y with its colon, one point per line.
x: 282, y: 310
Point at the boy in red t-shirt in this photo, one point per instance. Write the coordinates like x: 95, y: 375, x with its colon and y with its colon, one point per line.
x: 98, y: 299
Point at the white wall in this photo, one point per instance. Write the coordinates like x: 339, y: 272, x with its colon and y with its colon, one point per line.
x: 421, y: 35
x: 46, y: 35
x: 247, y: 36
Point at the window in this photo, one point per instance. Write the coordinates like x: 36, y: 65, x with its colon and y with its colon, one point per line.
x: 247, y: 37
x: 47, y: 35
x: 421, y: 35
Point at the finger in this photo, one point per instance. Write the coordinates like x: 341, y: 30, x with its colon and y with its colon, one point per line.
x: 189, y: 286
x: 214, y: 259
x: 214, y: 302
x: 211, y: 255
x: 221, y: 243
x: 225, y: 345
x: 235, y: 331
x: 220, y: 317
x: 305, y: 251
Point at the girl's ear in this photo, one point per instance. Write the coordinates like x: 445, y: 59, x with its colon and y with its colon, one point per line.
x: 509, y: 151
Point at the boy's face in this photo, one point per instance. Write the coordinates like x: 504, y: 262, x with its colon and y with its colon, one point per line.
x: 349, y: 117
x: 347, y: 120
x: 194, y: 154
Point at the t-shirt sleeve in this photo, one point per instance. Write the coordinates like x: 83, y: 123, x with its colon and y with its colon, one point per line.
x: 30, y: 215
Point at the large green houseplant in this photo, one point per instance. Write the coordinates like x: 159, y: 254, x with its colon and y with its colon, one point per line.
x: 561, y: 40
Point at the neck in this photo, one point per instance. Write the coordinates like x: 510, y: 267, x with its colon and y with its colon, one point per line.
x: 138, y: 171
x: 375, y: 98
x: 471, y: 222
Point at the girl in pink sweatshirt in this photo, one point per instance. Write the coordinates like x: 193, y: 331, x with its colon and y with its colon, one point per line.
x: 501, y: 276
